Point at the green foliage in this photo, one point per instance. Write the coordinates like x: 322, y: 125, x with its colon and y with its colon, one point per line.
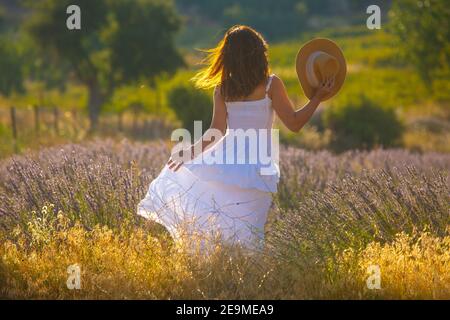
x: 139, y: 99
x: 362, y: 123
x: 43, y: 66
x: 6, y: 147
x: 47, y: 25
x: 309, y: 138
x: 120, y: 42
x: 145, y: 28
x: 360, y: 45
x: 389, y: 86
x: 190, y: 104
x: 375, y: 68
x: 11, y: 72
x: 276, y: 20
x: 2, y: 16
x: 423, y: 32
x: 128, y: 38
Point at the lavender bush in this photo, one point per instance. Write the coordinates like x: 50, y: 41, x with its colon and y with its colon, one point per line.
x: 322, y: 199
x: 99, y: 182
x: 306, y: 172
x: 331, y: 215
x: 356, y: 210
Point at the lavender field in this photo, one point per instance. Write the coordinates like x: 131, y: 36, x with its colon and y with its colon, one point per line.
x: 333, y: 217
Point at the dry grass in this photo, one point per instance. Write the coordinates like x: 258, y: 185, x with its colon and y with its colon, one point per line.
x: 121, y: 264
x: 411, y: 267
x: 132, y: 264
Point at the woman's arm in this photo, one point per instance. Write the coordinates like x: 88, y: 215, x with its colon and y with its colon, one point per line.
x: 293, y: 119
x: 218, y: 123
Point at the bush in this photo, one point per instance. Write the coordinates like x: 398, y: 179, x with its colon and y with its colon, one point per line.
x: 362, y: 124
x: 190, y: 105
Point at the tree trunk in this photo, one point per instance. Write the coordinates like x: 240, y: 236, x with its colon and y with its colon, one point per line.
x: 95, y: 102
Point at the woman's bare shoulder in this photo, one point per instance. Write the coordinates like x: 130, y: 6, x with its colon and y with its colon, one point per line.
x: 217, y: 91
x: 277, y: 83
x: 218, y: 94
x: 276, y: 79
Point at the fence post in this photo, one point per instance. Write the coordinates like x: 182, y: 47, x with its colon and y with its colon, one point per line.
x: 36, y: 119
x: 135, y: 121
x: 14, y: 128
x: 120, y: 121
x: 55, y: 119
x: 74, y: 119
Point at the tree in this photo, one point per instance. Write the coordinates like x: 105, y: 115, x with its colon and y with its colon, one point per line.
x: 120, y: 41
x: 423, y: 31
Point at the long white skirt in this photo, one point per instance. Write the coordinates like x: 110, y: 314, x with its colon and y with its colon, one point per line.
x: 187, y: 205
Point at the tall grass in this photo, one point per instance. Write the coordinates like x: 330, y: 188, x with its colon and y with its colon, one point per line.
x: 358, y: 210
x: 132, y: 264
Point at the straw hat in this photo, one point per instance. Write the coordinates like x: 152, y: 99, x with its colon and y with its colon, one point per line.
x: 317, y: 60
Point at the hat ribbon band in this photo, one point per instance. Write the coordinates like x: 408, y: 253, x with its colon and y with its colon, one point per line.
x: 310, y: 74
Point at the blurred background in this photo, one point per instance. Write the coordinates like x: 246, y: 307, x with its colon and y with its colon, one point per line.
x: 126, y: 73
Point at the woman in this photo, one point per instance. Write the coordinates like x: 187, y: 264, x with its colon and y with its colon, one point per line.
x: 230, y: 198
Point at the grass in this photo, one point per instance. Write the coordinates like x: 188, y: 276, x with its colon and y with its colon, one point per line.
x: 413, y: 266
x: 133, y: 265
x: 334, y: 216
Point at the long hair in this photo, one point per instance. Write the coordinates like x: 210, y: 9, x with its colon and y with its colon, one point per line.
x: 238, y: 64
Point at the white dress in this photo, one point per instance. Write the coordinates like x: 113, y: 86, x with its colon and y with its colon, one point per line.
x: 229, y: 198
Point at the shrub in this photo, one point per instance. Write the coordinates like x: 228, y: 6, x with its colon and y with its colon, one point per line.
x: 190, y: 105
x: 362, y: 124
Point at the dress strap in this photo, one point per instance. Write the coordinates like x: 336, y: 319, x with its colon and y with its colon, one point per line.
x: 269, y: 82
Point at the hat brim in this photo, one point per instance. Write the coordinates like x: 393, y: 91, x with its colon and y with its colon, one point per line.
x: 325, y: 45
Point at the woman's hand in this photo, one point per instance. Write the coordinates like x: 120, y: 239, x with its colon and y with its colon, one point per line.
x: 324, y: 88
x: 176, y: 161
x: 173, y: 164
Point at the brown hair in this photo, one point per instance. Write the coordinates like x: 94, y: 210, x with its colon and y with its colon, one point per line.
x: 238, y: 64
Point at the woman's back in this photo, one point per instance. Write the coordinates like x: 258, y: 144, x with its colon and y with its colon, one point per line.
x: 251, y: 113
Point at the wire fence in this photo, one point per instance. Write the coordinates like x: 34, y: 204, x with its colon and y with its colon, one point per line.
x: 19, y: 124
